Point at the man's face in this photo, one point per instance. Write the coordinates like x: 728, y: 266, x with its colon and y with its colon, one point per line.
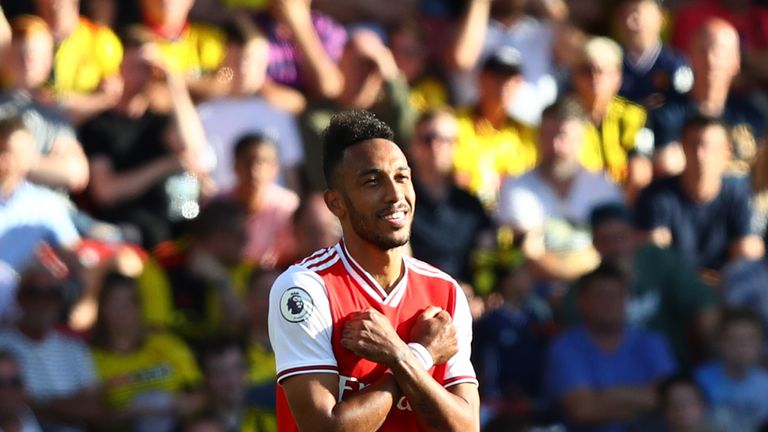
x: 375, y: 197
x: 498, y: 87
x: 248, y: 63
x: 121, y: 310
x: 31, y: 60
x: 706, y: 151
x: 11, y: 388
x: 684, y: 410
x: 17, y: 153
x: 598, y: 78
x: 604, y: 303
x: 135, y: 70
x: 56, y: 11
x: 714, y: 55
x: 166, y: 11
x: 317, y: 228
x: 258, y: 165
x: 560, y: 141
x: 40, y: 298
x: 433, y: 145
x: 226, y: 376
x: 614, y: 239
x: 741, y: 345
x: 640, y: 20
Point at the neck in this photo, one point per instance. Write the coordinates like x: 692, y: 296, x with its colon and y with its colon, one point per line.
x: 735, y: 372
x: 123, y: 342
x: 251, y: 195
x: 34, y: 333
x: 10, y: 422
x: 607, y: 337
x: 710, y: 97
x: 8, y: 186
x: 560, y: 176
x: 639, y: 46
x: 386, y: 267
x: 597, y: 107
x: 435, y: 184
x: 494, y: 112
x: 700, y: 188
x: 133, y: 105
x: 511, y: 18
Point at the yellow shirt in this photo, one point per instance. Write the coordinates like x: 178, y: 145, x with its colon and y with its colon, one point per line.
x: 163, y: 364
x: 199, y: 50
x: 606, y: 146
x: 82, y: 60
x: 427, y: 94
x: 183, y: 315
x: 484, y: 155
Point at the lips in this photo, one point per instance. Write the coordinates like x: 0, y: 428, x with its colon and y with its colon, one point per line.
x: 396, y: 216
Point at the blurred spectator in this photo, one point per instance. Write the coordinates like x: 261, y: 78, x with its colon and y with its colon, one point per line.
x: 5, y: 33
x: 652, y: 71
x: 701, y: 213
x: 684, y: 407
x: 86, y: 62
x: 715, y: 58
x: 146, y: 166
x: 243, y: 110
x: 736, y: 384
x: 666, y: 294
x: 550, y: 204
x: 226, y: 382
x: 61, y: 162
x: 443, y: 206
x: 57, y: 369
x: 614, y: 142
x: 261, y: 358
x: 314, y: 227
x: 192, y: 49
x: 488, y: 26
x: 521, y: 330
x: 603, y: 373
x: 369, y: 12
x: 748, y: 17
x: 270, y: 206
x: 147, y: 375
x: 408, y: 43
x: 29, y: 214
x: 372, y: 81
x: 15, y: 415
x: 204, y: 422
x: 304, y: 49
x: 491, y: 145
x: 194, y: 286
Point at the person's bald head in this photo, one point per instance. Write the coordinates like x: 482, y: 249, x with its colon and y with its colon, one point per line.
x: 714, y: 52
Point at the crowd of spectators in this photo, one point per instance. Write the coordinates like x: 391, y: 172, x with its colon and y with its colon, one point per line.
x: 594, y: 173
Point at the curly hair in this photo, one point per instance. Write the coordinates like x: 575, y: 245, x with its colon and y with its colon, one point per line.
x: 346, y: 129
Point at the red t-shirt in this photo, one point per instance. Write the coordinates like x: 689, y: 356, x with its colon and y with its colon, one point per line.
x: 310, y: 301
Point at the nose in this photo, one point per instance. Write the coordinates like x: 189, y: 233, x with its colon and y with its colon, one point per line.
x: 392, y: 190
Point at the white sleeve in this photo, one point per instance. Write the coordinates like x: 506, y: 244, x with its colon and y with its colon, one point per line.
x: 460, y: 369
x: 300, y: 324
x: 519, y: 207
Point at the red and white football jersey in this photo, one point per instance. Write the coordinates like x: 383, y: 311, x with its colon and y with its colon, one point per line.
x: 310, y: 301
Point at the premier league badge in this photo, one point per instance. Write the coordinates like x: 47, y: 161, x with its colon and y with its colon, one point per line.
x: 296, y: 305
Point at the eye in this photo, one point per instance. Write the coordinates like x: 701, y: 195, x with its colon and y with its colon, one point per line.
x: 371, y: 181
x: 403, y: 178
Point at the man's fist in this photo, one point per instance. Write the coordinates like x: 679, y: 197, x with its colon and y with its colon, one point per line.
x: 435, y: 331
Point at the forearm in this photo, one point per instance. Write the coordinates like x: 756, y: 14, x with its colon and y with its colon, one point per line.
x: 115, y: 188
x: 436, y: 408
x: 468, y: 43
x: 323, y: 76
x: 188, y: 123
x: 82, y: 106
x: 68, y: 171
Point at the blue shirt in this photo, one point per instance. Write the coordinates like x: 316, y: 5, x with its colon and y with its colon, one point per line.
x: 32, y: 214
x: 747, y: 126
x: 743, y: 404
x: 576, y: 362
x: 702, y: 232
x: 667, y: 75
x: 519, y: 334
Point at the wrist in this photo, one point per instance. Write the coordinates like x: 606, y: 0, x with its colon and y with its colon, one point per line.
x: 423, y: 354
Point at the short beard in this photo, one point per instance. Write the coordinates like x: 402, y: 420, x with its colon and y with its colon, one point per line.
x: 367, y: 233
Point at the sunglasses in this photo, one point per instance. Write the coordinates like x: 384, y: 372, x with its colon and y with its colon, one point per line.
x: 11, y: 382
x: 431, y: 137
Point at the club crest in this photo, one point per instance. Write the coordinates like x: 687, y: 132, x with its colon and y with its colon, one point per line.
x: 295, y: 305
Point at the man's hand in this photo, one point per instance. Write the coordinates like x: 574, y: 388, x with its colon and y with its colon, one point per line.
x: 435, y: 331
x: 370, y: 335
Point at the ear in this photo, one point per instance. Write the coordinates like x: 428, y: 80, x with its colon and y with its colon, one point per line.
x: 335, y: 203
